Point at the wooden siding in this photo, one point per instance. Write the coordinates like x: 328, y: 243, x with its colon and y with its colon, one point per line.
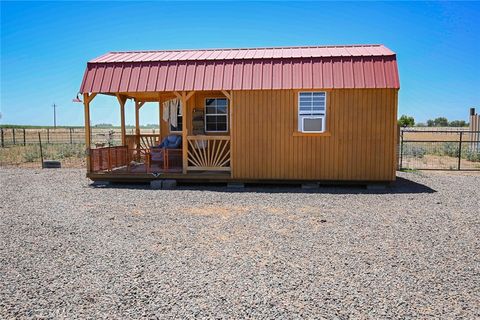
x: 359, y: 145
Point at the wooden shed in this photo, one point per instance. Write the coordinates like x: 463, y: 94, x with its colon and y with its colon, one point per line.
x: 325, y: 113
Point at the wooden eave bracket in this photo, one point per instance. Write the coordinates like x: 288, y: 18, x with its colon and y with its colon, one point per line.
x: 121, y: 99
x: 185, y: 95
x: 139, y: 104
x: 87, y: 98
x: 227, y: 94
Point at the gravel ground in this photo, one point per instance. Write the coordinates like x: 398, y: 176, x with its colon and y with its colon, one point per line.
x: 70, y: 250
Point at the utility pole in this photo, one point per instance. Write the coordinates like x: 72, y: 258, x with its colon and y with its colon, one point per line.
x: 54, y: 116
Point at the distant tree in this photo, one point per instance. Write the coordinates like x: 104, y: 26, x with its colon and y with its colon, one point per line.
x: 103, y: 125
x: 438, y: 122
x: 406, y: 121
x: 421, y: 124
x: 458, y: 123
x: 150, y: 126
x: 441, y: 122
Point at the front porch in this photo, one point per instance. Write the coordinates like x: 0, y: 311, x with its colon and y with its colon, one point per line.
x: 201, y: 155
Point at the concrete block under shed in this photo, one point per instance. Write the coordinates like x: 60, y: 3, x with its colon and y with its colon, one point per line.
x: 310, y: 185
x: 169, y: 184
x: 163, y: 184
x: 100, y: 183
x: 156, y: 184
x: 51, y: 164
x: 236, y: 185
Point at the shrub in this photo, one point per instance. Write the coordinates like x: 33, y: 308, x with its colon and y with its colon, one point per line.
x: 63, y: 151
x: 415, y: 151
x: 450, y: 149
x: 471, y: 155
x: 31, y: 154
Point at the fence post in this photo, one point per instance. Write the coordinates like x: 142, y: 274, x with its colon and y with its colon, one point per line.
x: 71, y: 141
x: 48, y: 135
x: 401, y: 149
x: 40, y: 145
x: 24, y: 138
x: 460, y: 150
x: 13, y: 135
x: 2, y: 138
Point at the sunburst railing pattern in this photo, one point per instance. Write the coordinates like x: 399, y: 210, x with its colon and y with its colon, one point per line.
x: 209, y: 153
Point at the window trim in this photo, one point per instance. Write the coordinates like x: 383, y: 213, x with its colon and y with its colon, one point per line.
x: 216, y: 114
x: 301, y: 116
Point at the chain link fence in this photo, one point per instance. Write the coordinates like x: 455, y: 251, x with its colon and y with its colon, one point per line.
x: 439, y: 150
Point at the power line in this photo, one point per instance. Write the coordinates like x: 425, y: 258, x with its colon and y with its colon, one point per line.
x: 54, y: 115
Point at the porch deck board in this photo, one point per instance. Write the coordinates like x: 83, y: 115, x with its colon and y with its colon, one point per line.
x: 138, y: 173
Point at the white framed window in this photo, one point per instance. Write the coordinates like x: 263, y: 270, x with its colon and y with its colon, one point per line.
x: 179, y: 126
x: 312, y: 111
x: 216, y: 115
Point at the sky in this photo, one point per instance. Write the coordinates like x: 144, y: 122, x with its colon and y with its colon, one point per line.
x: 45, y: 47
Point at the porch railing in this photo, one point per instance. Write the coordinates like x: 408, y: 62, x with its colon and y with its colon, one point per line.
x: 108, y: 158
x: 122, y: 160
x: 142, y: 142
x: 208, y: 153
x: 204, y: 153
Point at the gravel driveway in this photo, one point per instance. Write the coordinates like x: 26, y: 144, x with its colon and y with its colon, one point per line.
x: 70, y: 250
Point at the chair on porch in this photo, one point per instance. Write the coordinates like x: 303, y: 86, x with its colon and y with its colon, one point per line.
x: 169, y: 149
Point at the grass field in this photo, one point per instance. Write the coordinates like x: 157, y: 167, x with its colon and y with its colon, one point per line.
x: 436, y: 136
x: 71, y: 155
x: 23, y: 136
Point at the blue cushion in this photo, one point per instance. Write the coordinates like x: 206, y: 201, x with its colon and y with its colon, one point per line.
x: 172, y: 141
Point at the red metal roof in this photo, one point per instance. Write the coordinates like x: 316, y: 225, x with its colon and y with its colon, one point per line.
x: 367, y: 66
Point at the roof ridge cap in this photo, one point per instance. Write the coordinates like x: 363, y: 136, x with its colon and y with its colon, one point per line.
x: 254, y: 48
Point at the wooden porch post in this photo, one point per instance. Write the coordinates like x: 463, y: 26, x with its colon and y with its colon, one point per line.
x: 87, y: 98
x: 232, y: 140
x: 138, y: 105
x: 229, y: 95
x: 122, y: 100
x: 185, y: 132
x: 186, y: 120
x: 160, y: 116
x: 137, y: 123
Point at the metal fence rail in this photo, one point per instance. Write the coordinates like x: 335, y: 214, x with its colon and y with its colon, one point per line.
x: 439, y: 150
x: 418, y: 149
x: 27, y: 136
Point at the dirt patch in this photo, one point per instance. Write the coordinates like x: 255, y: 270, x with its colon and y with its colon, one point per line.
x: 217, y: 210
x: 429, y: 161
